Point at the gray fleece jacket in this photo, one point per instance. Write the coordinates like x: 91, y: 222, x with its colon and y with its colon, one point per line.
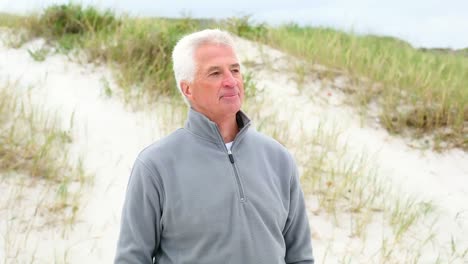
x: 190, y: 200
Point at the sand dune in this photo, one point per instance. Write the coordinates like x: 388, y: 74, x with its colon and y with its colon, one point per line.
x: 108, y: 135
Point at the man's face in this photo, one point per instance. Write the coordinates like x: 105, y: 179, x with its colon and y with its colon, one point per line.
x: 217, y: 89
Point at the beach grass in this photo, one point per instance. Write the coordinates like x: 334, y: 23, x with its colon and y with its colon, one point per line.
x: 35, y: 156
x: 34, y: 143
x: 418, y: 92
x: 139, y: 50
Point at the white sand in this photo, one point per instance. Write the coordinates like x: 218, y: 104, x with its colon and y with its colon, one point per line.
x: 109, y: 136
x: 105, y: 134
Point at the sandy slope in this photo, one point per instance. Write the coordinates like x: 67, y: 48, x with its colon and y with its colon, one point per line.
x: 109, y: 136
x: 427, y: 175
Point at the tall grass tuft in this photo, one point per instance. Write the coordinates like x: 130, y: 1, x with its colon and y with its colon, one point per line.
x: 245, y: 27
x: 141, y: 51
x: 69, y: 24
x: 60, y: 20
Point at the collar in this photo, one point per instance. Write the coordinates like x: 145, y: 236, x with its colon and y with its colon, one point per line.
x: 200, y: 125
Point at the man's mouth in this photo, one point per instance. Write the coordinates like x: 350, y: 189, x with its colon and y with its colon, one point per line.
x: 230, y: 95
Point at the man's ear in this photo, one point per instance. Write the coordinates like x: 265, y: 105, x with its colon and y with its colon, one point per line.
x: 186, y: 89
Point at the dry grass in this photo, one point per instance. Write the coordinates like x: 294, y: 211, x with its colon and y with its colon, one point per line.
x: 40, y: 183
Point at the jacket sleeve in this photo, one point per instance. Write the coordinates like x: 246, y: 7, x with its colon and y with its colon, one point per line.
x: 297, y: 232
x: 140, y: 229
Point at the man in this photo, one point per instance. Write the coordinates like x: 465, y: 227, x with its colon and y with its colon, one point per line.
x: 215, y: 191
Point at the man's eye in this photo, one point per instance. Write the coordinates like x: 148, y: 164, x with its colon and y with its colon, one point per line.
x: 235, y: 70
x: 214, y: 73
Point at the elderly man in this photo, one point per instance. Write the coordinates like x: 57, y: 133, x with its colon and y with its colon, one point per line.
x: 215, y: 191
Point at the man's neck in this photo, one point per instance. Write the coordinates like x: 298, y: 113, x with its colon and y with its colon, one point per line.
x: 228, y: 128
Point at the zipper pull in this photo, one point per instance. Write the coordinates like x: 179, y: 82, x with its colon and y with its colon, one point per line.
x: 231, y: 158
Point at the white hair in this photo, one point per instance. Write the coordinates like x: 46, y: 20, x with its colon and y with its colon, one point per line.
x: 183, y: 59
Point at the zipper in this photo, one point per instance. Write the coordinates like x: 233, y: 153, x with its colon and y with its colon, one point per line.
x: 233, y: 163
x: 239, y: 184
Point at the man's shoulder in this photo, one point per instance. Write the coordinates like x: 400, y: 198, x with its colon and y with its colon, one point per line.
x: 268, y: 143
x: 163, y: 146
x: 273, y: 152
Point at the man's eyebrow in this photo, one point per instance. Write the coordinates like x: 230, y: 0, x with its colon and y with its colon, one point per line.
x: 213, y: 68
x: 217, y: 68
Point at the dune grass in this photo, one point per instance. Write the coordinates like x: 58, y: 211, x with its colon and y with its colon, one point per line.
x: 40, y: 183
x: 418, y: 91
x: 33, y: 143
x: 10, y: 20
x: 139, y: 50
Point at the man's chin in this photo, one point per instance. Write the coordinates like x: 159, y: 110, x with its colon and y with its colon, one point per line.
x: 232, y: 106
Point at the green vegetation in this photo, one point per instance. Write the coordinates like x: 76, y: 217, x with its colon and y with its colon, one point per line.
x: 72, y: 20
x: 417, y: 91
x: 243, y: 27
x: 138, y: 49
x: 426, y: 92
x: 10, y: 21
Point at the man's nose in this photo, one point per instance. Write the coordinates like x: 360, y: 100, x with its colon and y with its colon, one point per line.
x: 229, y: 80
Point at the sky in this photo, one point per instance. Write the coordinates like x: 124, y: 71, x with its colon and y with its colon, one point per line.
x: 423, y: 23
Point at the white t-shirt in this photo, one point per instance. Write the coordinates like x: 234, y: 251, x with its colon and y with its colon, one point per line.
x: 228, y: 145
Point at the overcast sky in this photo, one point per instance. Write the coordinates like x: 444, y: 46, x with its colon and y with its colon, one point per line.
x: 423, y: 23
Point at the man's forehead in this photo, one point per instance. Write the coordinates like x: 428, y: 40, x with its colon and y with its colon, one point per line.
x: 217, y: 64
x: 210, y: 56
